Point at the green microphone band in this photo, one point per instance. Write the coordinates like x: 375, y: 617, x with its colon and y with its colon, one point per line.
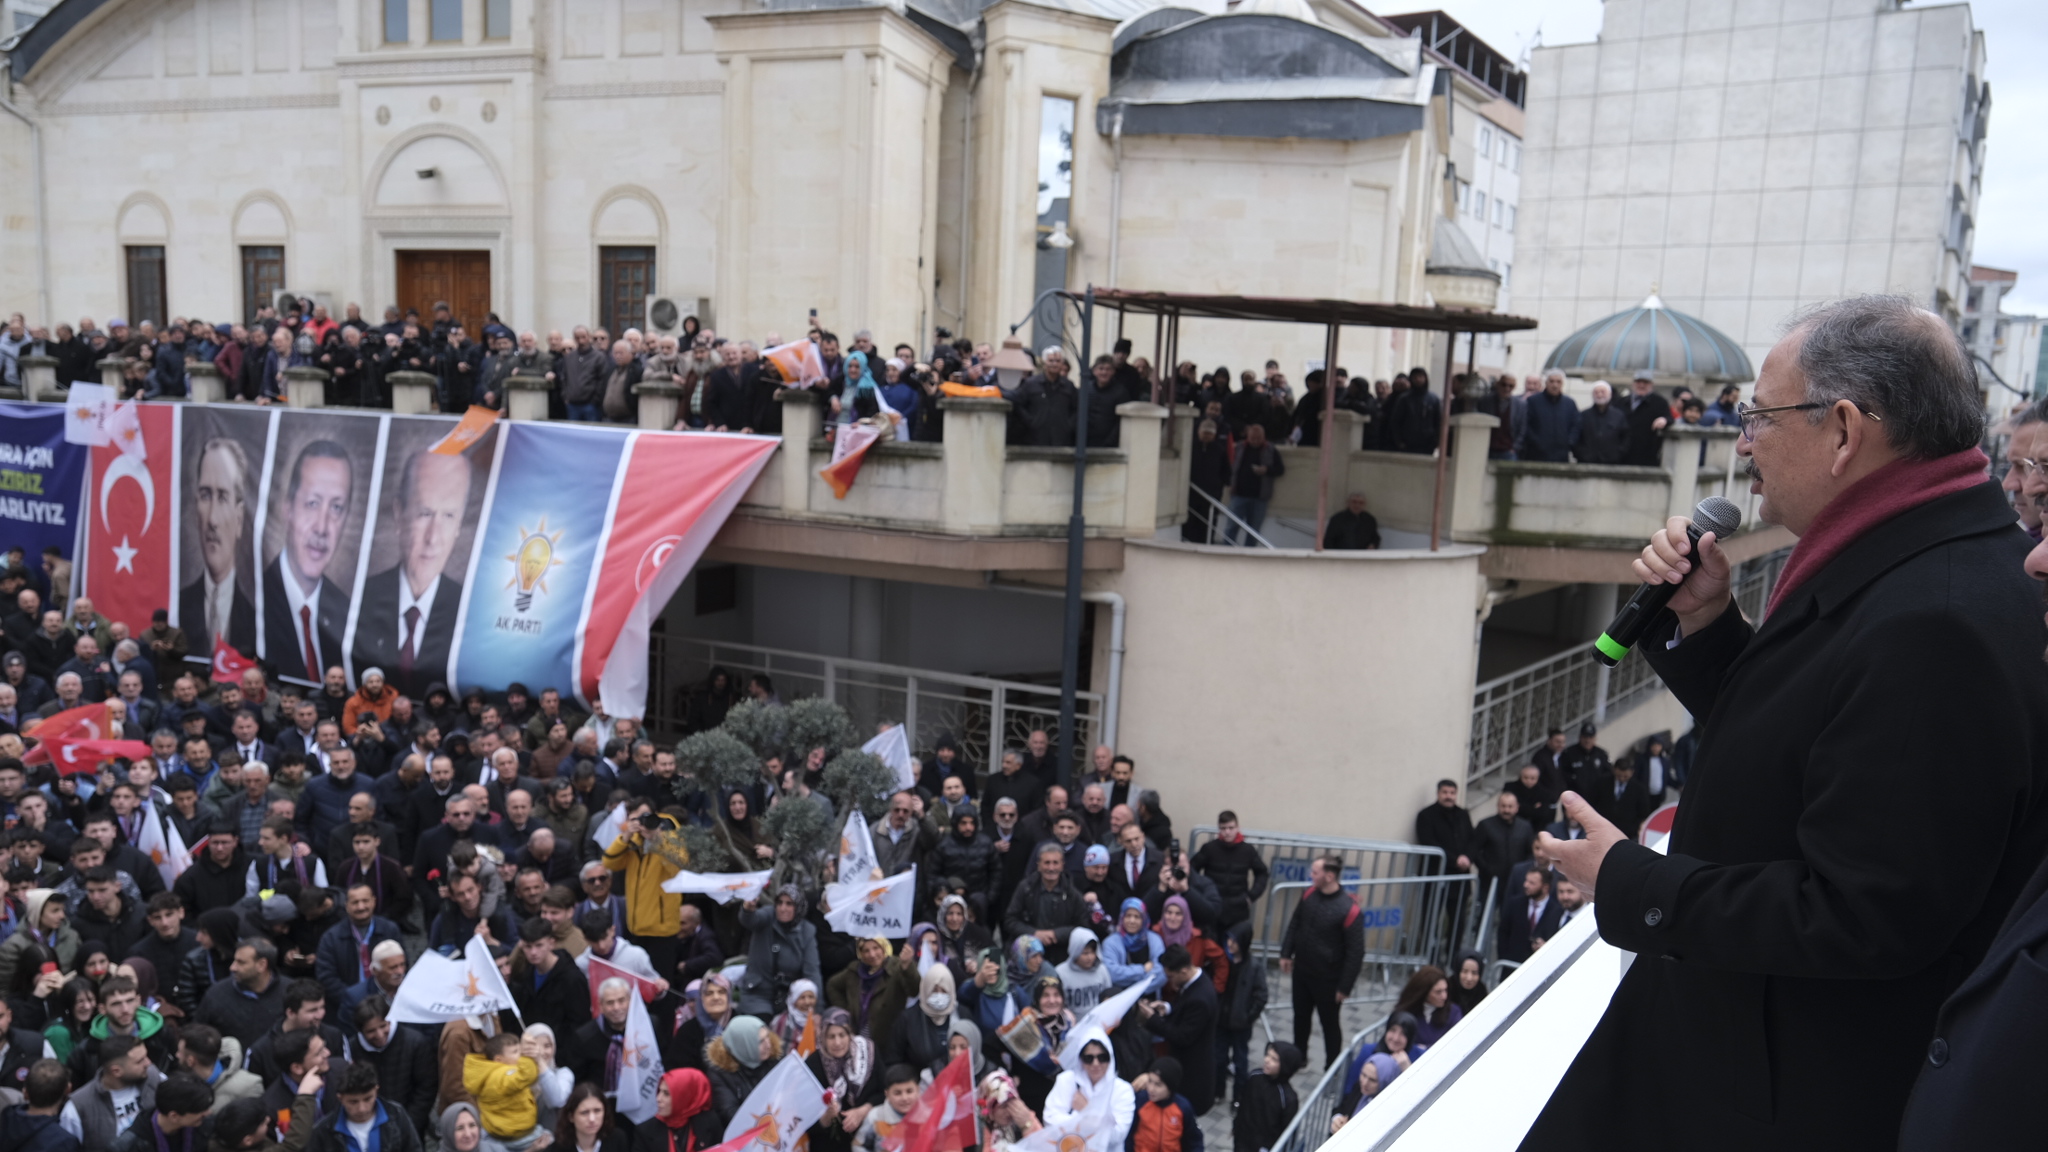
x: 1609, y: 648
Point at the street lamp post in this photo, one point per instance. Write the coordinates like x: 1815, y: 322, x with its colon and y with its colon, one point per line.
x: 1070, y: 647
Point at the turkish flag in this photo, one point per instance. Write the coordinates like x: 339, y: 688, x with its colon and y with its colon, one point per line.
x: 228, y: 664
x: 943, y: 1120
x: 602, y: 970
x: 77, y: 740
x: 129, y: 513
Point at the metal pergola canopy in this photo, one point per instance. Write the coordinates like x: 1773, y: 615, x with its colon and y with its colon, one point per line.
x: 1285, y: 309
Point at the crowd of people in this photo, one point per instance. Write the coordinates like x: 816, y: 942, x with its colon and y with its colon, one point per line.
x: 337, y: 833
x: 1542, y: 423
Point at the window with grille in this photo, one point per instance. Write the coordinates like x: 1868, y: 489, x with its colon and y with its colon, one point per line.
x: 146, y: 284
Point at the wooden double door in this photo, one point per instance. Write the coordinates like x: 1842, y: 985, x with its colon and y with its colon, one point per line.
x: 461, y: 278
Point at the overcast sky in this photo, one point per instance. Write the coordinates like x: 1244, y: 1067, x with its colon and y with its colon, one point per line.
x: 2012, y: 228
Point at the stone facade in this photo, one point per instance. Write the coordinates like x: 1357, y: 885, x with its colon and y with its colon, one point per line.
x: 1747, y: 157
x: 872, y: 161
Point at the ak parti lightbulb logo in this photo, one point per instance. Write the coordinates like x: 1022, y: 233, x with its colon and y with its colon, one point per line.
x: 531, y: 562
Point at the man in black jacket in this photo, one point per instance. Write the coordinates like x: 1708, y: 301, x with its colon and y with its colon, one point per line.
x: 1047, y: 403
x: 1500, y: 843
x: 1189, y: 1029
x: 1446, y: 825
x: 1323, y: 949
x: 1648, y: 415
x: 1047, y: 905
x: 1238, y: 869
x: 359, y: 1088
x: 1531, y: 916
x: 1258, y: 465
x: 1792, y: 960
x: 408, y: 1072
x: 1625, y: 802
x: 547, y: 986
x: 1585, y: 766
x: 461, y: 365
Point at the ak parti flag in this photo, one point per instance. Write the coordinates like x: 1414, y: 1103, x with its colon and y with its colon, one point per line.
x: 780, y: 1109
x: 228, y: 664
x: 467, y: 431
x: 164, y: 847
x: 943, y: 1119
x: 602, y: 970
x: 798, y: 361
x: 849, y: 447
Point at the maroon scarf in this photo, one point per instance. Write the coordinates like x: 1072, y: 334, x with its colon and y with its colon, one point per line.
x: 1898, y: 487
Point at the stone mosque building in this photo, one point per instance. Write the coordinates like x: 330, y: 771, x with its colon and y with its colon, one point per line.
x: 896, y: 165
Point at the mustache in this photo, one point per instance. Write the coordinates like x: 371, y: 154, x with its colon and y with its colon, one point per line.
x: 1749, y: 469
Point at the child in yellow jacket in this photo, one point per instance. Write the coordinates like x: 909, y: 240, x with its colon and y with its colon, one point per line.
x: 502, y: 1081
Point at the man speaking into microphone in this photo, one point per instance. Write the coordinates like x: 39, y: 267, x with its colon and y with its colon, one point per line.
x: 1865, y: 802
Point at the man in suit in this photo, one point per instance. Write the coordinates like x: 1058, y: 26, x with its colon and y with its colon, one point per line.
x: 216, y: 601
x: 1500, y: 843
x: 1625, y: 802
x: 303, y: 610
x: 1793, y: 962
x: 1529, y: 917
x: 248, y: 736
x: 303, y: 736
x: 407, y: 624
x: 1133, y: 868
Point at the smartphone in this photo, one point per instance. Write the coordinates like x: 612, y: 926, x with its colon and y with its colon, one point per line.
x: 814, y: 313
x: 48, y: 967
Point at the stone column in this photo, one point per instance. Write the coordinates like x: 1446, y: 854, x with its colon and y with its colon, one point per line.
x: 1682, y: 443
x: 1471, y: 432
x: 203, y: 381
x: 305, y: 387
x: 1140, y: 437
x: 526, y: 395
x: 39, y: 378
x: 412, y: 393
x: 800, y: 425
x: 658, y: 403
x: 972, y: 503
x: 110, y: 373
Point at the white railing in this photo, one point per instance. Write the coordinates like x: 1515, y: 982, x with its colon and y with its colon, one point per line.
x: 983, y: 715
x: 1513, y: 714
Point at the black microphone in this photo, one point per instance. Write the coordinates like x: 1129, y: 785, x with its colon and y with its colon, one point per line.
x: 1721, y: 517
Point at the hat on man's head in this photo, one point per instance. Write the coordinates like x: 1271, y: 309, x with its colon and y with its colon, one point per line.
x: 1096, y: 854
x: 278, y: 909
x: 12, y: 659
x: 160, y: 616
x: 1587, y: 729
x: 1645, y: 374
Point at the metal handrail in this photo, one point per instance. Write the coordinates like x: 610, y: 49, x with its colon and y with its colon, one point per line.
x: 1311, y: 1123
x: 1233, y: 518
x: 1484, y: 941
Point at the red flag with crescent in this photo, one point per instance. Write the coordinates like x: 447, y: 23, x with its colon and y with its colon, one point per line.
x: 228, y: 664
x: 77, y: 739
x: 130, y: 508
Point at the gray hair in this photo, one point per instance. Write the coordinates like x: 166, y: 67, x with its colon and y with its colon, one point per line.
x: 1554, y: 372
x: 1896, y: 361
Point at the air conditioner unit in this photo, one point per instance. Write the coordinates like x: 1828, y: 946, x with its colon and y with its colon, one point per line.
x: 665, y: 314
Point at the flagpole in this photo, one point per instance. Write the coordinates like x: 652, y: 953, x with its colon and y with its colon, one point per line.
x: 1070, y: 653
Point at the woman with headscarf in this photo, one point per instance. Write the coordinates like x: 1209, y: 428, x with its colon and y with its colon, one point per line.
x: 683, y: 1119
x: 586, y: 1124
x: 1047, y: 1006
x: 1397, y: 1043
x: 710, y: 1011
x: 1427, y: 997
x: 461, y: 1127
x: 737, y: 820
x: 1005, y: 1121
x: 845, y: 1064
x: 1374, y: 1075
x: 1088, y: 1069
x: 783, y: 950
x: 1177, y: 926
x: 874, y: 988
x: 1084, y: 976
x: 1027, y: 964
x: 738, y: 1061
x: 1267, y: 1102
x: 1132, y: 951
x: 144, y: 974
x: 857, y: 379
x: 551, y: 1091
x: 798, y: 1009
x: 919, y: 1039
x: 962, y: 1039
x: 985, y: 999
x: 1468, y: 983
x: 961, y: 940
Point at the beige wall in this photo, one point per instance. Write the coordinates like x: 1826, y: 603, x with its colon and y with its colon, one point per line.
x: 1322, y: 694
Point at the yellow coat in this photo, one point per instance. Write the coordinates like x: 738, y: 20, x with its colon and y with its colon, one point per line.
x: 644, y: 867
x: 504, y: 1093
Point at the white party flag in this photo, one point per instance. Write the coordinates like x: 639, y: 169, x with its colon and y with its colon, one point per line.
x: 1109, y: 1013
x: 85, y: 414
x: 640, y: 1067
x: 856, y: 849
x: 607, y: 829
x: 783, y: 1106
x: 724, y: 887
x: 893, y: 747
x: 164, y: 847
x: 873, y: 907
x: 437, y: 989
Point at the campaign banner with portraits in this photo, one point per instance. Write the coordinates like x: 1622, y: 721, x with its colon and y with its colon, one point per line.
x: 332, y: 538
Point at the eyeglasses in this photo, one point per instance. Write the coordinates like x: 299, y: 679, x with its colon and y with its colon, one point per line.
x: 2029, y: 467
x: 1094, y: 1057
x: 600, y: 880
x: 1746, y: 414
